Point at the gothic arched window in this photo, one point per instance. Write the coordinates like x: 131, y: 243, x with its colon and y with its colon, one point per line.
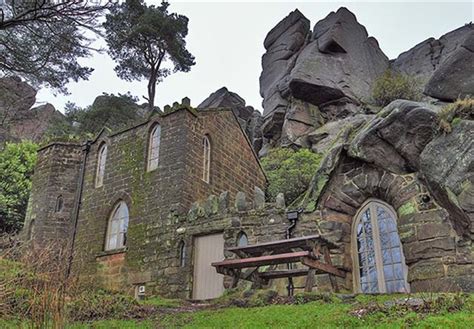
x: 101, y: 159
x: 154, y: 148
x: 379, y: 264
x: 59, y: 204
x: 206, y: 165
x: 117, y: 228
x: 242, y: 239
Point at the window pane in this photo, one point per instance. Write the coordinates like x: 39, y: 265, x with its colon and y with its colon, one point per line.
x: 118, y: 226
x: 114, y: 226
x: 388, y: 272
x: 396, y: 255
x: 394, y: 239
x: 112, y: 241
x: 398, y: 271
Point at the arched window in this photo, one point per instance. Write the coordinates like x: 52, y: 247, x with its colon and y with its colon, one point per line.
x: 242, y: 239
x: 99, y: 180
x: 154, y: 148
x: 117, y: 228
x: 379, y: 264
x: 182, y: 254
x: 59, y: 204
x: 206, y: 165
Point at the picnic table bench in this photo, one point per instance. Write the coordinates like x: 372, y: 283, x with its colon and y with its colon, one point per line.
x: 311, y: 251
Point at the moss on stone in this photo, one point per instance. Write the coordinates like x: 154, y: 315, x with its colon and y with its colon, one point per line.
x: 407, y: 209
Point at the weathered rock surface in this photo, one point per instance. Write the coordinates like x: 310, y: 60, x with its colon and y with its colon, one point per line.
x: 330, y: 68
x: 250, y: 119
x: 324, y: 137
x: 282, y: 45
x: 447, y: 163
x: 445, y: 65
x: 340, y: 61
x: 225, y: 98
x: 34, y: 123
x: 395, y: 139
x: 17, y: 119
x: 455, y: 77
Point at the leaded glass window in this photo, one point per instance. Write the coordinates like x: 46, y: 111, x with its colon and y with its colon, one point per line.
x: 154, y: 148
x: 117, y: 228
x: 206, y: 170
x: 379, y: 262
x: 99, y: 180
x: 242, y: 240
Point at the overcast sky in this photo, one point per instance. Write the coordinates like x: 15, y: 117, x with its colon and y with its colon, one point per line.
x: 227, y: 40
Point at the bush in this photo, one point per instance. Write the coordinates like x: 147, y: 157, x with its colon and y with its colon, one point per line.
x: 290, y: 172
x: 17, y: 162
x: 391, y: 86
x: 462, y: 109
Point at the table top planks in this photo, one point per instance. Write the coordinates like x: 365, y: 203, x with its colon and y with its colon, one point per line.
x: 282, y: 246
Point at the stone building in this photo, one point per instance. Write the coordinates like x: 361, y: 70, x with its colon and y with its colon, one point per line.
x: 118, y: 200
x: 162, y: 200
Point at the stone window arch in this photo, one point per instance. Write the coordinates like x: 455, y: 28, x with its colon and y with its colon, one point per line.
x: 242, y: 239
x: 154, y: 147
x: 378, y: 260
x: 58, y: 207
x: 116, y: 237
x: 101, y: 160
x: 206, y: 165
x: 182, y: 253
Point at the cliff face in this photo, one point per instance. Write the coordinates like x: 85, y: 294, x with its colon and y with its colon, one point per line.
x: 313, y: 77
x: 317, y: 89
x: 18, y: 120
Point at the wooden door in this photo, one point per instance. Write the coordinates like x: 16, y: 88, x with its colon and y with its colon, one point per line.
x: 207, y: 282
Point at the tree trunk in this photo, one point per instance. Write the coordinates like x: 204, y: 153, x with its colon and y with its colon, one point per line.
x: 151, y: 90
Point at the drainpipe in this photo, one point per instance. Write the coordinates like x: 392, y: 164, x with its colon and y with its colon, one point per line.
x: 77, y: 202
x: 292, y: 216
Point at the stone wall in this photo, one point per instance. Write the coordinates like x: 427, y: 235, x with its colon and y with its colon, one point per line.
x: 438, y: 258
x: 157, y: 199
x: 161, y: 271
x: 56, y: 176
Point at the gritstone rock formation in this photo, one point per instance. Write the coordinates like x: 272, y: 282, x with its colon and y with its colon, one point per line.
x: 249, y: 118
x: 445, y: 65
x: 17, y: 119
x: 313, y: 77
x: 333, y: 68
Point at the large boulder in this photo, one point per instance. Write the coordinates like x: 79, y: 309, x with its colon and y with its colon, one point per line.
x: 455, y: 77
x: 447, y: 164
x: 444, y: 65
x: 16, y: 97
x: 331, y: 69
x: 395, y: 139
x: 35, y: 123
x: 282, y: 44
x: 250, y: 120
x: 340, y: 61
x: 225, y: 98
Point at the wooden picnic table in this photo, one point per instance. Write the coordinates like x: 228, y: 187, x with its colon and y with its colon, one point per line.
x: 311, y: 251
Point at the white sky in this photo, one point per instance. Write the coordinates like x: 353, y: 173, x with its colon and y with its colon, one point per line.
x: 227, y: 40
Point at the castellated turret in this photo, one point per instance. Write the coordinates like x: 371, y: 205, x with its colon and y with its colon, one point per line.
x: 52, y: 203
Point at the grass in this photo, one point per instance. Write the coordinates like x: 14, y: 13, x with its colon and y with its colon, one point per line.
x: 254, y: 309
x: 316, y: 314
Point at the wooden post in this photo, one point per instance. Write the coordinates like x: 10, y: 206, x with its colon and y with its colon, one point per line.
x: 332, y: 278
x: 310, y: 280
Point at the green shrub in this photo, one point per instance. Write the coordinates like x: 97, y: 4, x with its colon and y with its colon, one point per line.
x: 17, y: 161
x: 290, y: 172
x: 391, y: 86
x: 452, y: 114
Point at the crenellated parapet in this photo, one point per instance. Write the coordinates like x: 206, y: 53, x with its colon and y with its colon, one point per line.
x: 215, y: 206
